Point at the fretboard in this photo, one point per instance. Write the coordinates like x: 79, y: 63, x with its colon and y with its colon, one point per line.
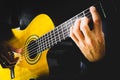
x: 60, y: 32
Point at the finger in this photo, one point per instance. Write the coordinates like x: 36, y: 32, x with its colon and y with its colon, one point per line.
x: 76, y: 30
x: 73, y: 36
x: 85, y: 27
x: 96, y: 18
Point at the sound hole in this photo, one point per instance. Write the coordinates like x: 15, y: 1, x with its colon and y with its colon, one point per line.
x: 32, y: 49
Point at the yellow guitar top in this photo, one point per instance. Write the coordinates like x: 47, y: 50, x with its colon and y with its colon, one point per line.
x: 29, y: 65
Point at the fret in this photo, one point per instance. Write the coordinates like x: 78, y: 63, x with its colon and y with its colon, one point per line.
x: 40, y: 47
x: 69, y: 24
x: 55, y: 33
x: 88, y: 14
x: 55, y: 36
x: 38, y: 43
x: 49, y: 38
x: 73, y: 19
x: 47, y: 41
x: 63, y: 32
x: 83, y: 14
x: 55, y: 40
x: 43, y: 43
x: 58, y: 32
x: 52, y: 38
x: 80, y: 15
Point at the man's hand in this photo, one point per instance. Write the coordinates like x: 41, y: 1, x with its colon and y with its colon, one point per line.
x: 7, y: 59
x: 90, y: 42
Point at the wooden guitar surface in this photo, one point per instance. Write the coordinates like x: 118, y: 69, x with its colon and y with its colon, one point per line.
x: 29, y: 66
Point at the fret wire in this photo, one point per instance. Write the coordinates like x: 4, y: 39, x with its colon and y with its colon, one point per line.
x: 64, y: 29
x: 58, y: 29
x: 45, y: 41
x: 63, y: 32
x: 49, y: 37
x: 59, y: 33
x: 48, y: 41
x: 88, y: 15
x: 37, y: 45
x: 51, y: 41
x: 83, y: 14
x: 61, y: 29
x: 73, y: 19
x: 42, y: 44
x: 68, y: 27
x: 40, y: 41
x: 54, y: 37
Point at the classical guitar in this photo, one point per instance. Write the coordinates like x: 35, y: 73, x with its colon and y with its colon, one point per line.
x: 39, y: 36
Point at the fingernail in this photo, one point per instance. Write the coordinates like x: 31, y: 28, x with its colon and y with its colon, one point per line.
x: 92, y: 8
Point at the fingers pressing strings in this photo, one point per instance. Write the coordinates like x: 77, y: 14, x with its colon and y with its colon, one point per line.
x: 84, y: 27
x: 75, y: 32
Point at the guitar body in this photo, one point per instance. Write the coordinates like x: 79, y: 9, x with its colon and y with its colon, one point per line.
x: 29, y: 67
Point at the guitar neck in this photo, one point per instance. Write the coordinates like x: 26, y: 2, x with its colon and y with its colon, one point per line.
x: 62, y: 31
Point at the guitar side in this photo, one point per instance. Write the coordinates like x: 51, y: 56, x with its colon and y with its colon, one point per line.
x: 27, y: 67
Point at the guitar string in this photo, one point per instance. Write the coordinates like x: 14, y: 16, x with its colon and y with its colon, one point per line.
x: 44, y: 45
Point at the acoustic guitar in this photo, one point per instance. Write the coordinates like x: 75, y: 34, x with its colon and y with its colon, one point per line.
x: 36, y: 39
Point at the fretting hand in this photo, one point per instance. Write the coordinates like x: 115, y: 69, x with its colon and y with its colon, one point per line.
x: 90, y: 42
